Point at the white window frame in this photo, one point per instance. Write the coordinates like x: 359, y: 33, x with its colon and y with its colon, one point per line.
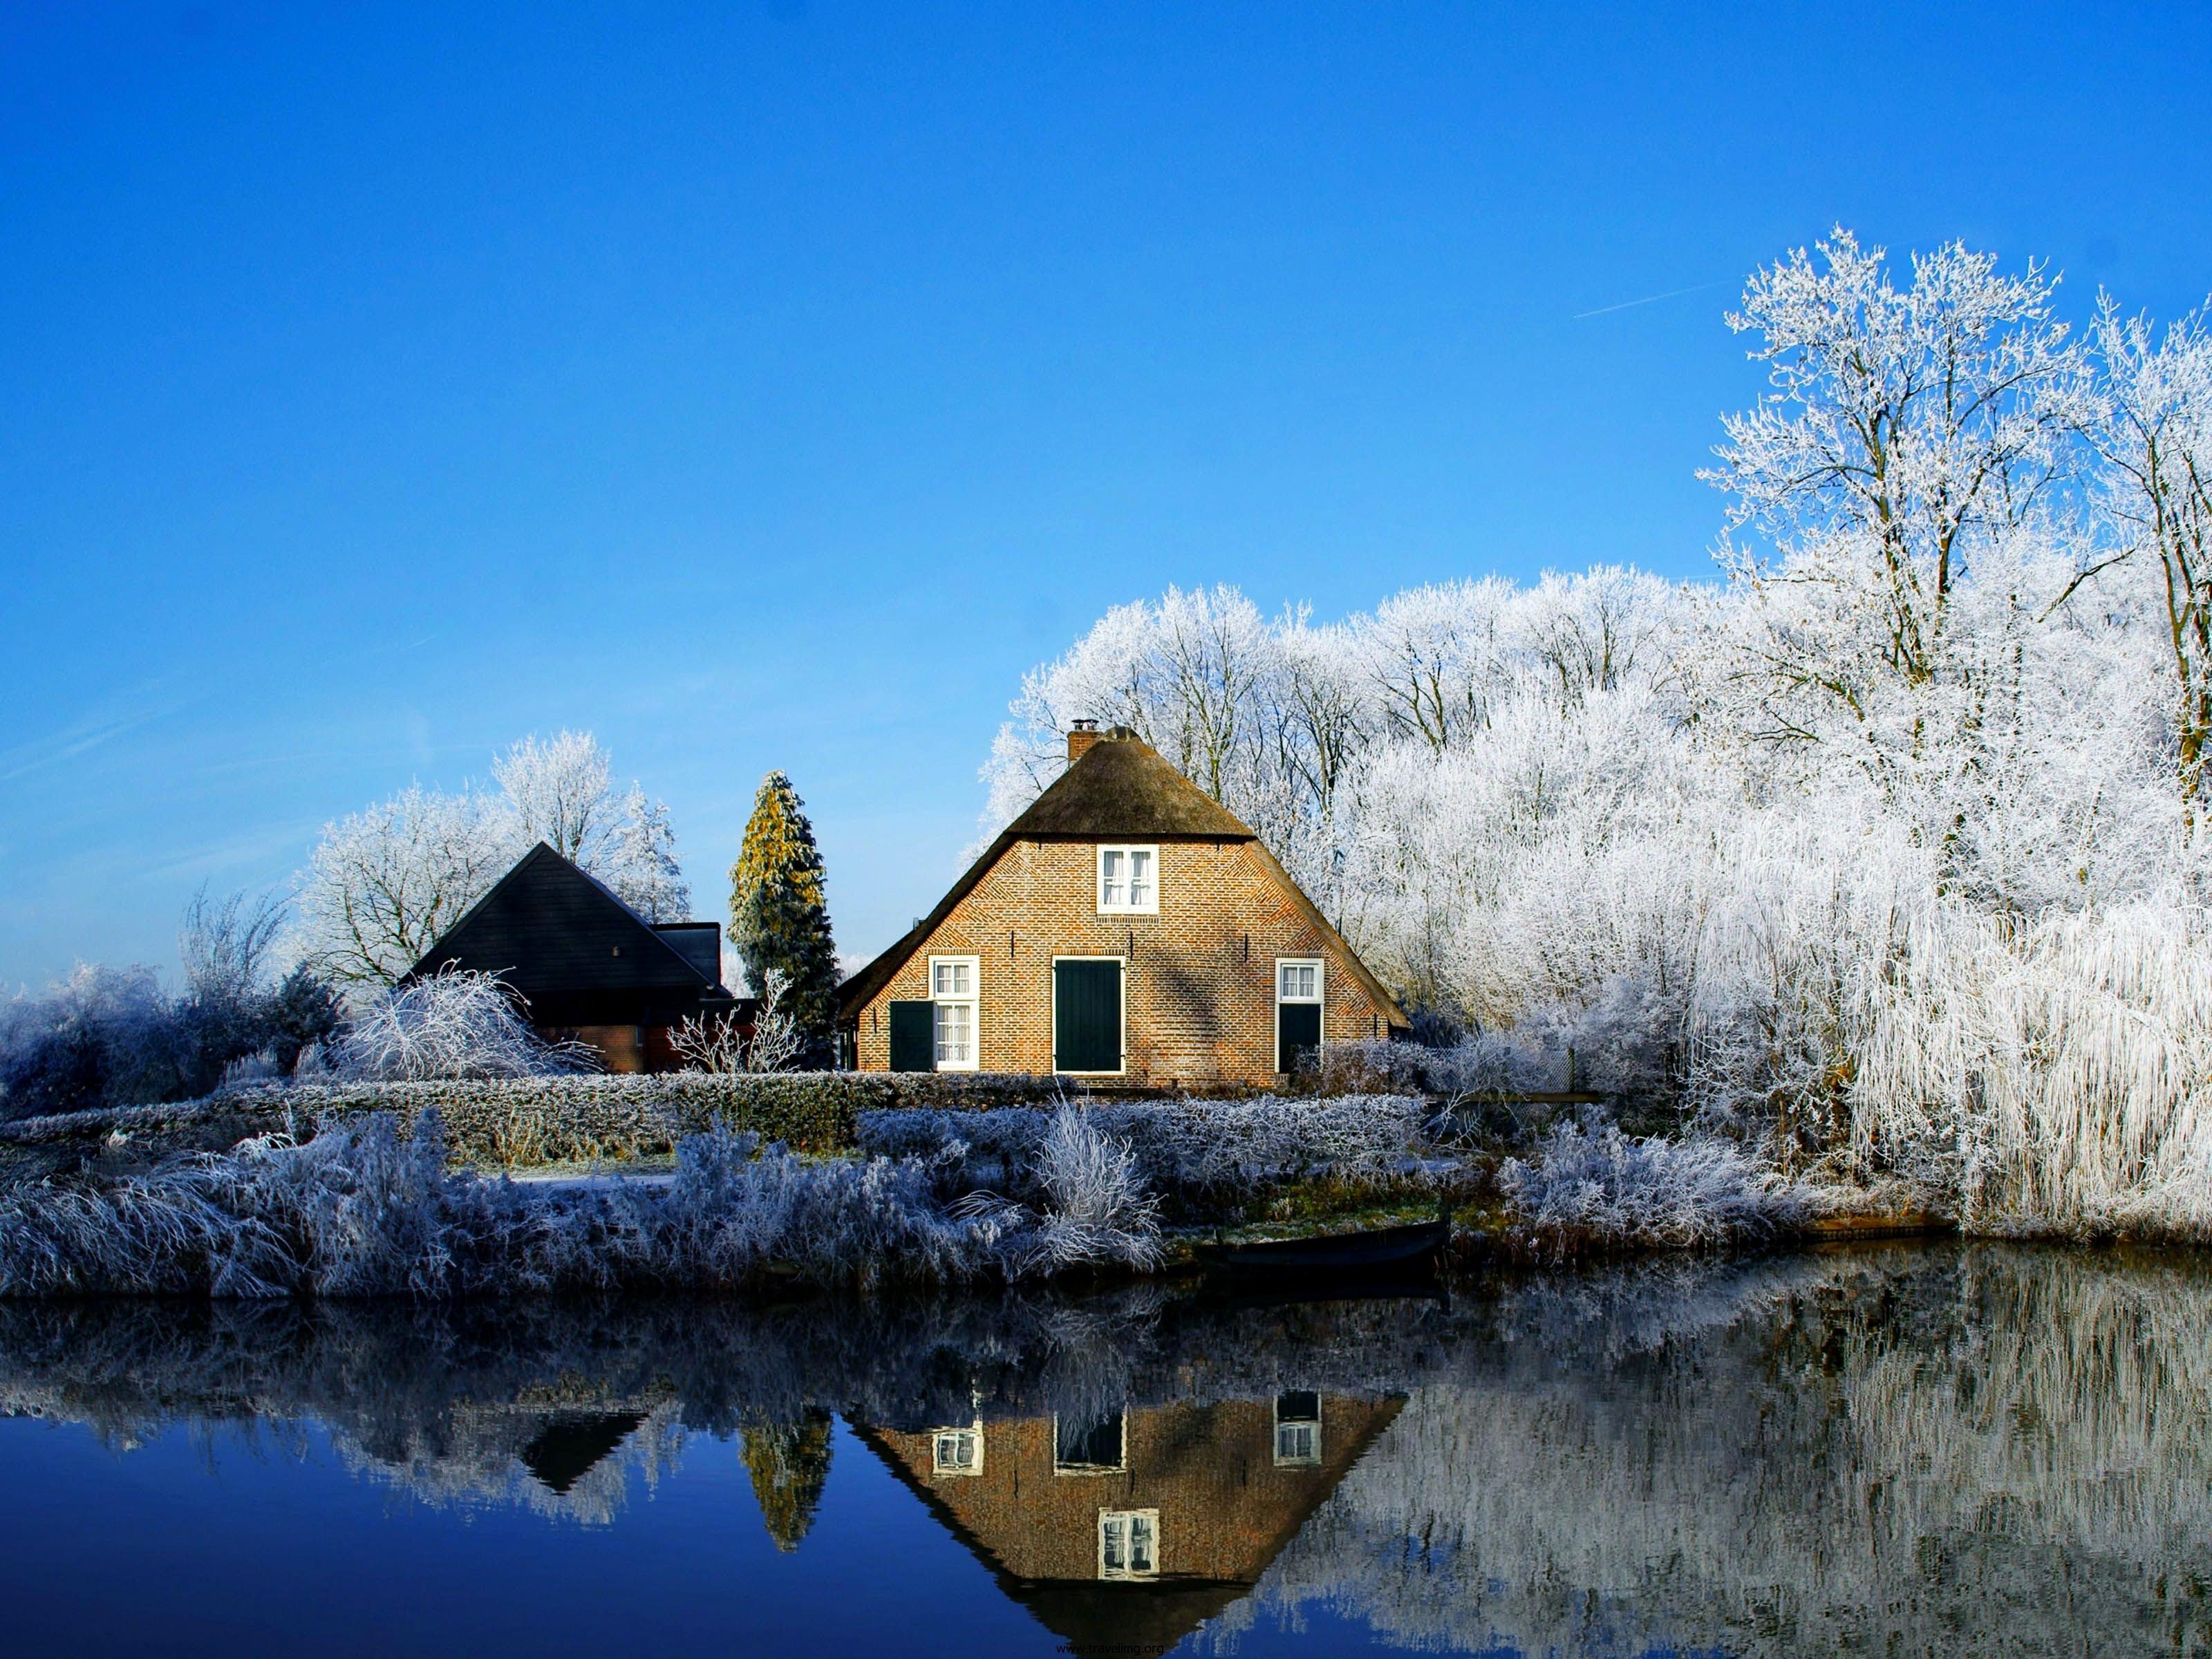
x: 1098, y: 879
x: 1320, y: 998
x: 1275, y: 1411
x: 1053, y: 1036
x: 1130, y: 1519
x: 973, y: 1003
x: 944, y: 1470
x: 1080, y: 1469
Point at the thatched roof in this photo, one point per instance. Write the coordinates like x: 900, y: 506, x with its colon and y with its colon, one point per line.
x: 1122, y: 788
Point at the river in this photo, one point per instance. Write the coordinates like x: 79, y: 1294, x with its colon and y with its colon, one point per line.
x: 1946, y: 1450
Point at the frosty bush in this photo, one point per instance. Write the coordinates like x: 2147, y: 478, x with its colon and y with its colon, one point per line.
x: 456, y: 1022
x: 112, y: 1037
x: 1184, y: 1148
x: 1608, y: 1190
x: 358, y: 1210
x: 1097, y: 1207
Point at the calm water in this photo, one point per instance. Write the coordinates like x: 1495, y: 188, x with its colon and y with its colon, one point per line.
x: 1893, y: 1451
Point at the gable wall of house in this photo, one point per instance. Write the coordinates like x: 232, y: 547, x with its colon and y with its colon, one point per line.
x: 1226, y: 1506
x: 1199, y: 990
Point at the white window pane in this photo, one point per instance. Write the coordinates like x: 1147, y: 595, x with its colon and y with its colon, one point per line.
x: 943, y: 986
x: 1140, y: 1543
x: 955, y: 1023
x: 1112, y: 1546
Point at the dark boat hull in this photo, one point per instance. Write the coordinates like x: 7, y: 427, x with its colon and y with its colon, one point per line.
x: 1383, y: 1247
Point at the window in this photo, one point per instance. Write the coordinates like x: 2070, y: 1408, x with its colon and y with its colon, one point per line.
x: 1297, y: 1429
x: 958, y: 1451
x: 952, y: 989
x: 1087, y: 1446
x: 1129, y: 880
x: 1128, y: 1543
x: 1298, y: 1012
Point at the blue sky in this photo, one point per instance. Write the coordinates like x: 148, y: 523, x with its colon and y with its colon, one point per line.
x: 769, y: 386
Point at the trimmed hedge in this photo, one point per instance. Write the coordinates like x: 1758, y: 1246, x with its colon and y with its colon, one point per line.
x: 541, y: 1120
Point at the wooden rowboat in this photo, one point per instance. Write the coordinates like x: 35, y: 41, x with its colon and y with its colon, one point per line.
x: 1380, y: 1246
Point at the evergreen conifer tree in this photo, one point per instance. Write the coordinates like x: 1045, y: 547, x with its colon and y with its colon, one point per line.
x: 778, y: 916
x: 789, y: 1463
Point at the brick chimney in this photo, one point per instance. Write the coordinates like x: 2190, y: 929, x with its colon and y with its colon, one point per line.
x: 1080, y: 736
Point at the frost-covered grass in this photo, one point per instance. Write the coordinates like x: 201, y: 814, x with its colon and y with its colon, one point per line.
x: 1185, y: 1149
x: 358, y: 1210
x: 2055, y: 1078
x: 1606, y: 1190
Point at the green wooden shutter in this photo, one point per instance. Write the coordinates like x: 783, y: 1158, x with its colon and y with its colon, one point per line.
x: 1086, y: 1016
x: 913, y: 1037
x: 1297, y: 1034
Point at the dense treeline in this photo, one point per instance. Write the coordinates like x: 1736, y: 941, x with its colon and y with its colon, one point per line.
x: 1885, y: 848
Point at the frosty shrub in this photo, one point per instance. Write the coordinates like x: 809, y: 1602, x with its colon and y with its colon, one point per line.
x: 1189, y: 1148
x: 1606, y: 1190
x: 113, y: 1037
x: 360, y: 1210
x: 103, y: 1036
x: 454, y: 1024
x: 1097, y: 1205
x: 715, y: 1042
x: 260, y: 1067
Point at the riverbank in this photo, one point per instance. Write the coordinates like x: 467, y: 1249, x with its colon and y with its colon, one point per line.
x: 371, y: 1206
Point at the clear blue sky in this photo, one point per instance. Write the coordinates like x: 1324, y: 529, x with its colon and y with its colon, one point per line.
x: 769, y: 386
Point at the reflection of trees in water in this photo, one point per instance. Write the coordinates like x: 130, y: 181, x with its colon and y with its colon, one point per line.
x: 1984, y: 1450
x: 789, y: 1463
x: 1977, y: 1450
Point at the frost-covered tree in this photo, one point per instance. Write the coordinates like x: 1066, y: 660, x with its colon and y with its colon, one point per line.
x: 560, y: 792
x: 779, y: 914
x: 640, y: 860
x: 1902, y: 431
x: 384, y: 884
x: 2154, y: 435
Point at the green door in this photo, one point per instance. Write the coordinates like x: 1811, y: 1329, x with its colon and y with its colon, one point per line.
x: 1297, y: 1034
x: 913, y: 1037
x: 1086, y: 1016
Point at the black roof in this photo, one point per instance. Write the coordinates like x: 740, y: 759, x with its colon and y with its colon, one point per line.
x: 553, y: 933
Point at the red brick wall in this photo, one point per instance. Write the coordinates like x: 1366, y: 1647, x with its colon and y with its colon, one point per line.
x: 1198, y: 991
x: 1225, y: 1507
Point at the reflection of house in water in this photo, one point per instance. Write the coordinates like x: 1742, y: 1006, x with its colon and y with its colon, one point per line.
x: 1126, y: 1531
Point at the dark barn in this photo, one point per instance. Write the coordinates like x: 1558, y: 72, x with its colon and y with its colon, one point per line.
x: 586, y: 966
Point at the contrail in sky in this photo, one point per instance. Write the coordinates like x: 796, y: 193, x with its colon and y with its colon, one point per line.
x: 1648, y: 300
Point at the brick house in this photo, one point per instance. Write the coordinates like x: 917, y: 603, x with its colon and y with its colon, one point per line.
x: 1125, y: 1531
x: 1127, y: 928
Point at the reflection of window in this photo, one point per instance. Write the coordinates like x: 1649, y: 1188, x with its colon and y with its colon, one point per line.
x: 1081, y: 1446
x: 1128, y: 1543
x: 958, y: 1451
x: 952, y: 992
x: 1298, y: 1427
x: 1128, y: 878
